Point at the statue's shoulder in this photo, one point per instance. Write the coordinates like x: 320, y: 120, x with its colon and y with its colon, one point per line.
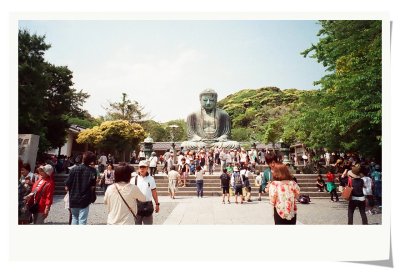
x: 222, y: 112
x: 193, y: 115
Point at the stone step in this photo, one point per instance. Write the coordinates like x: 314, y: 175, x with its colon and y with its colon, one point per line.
x: 211, y: 186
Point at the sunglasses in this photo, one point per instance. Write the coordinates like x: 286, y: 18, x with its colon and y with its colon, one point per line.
x: 143, y: 167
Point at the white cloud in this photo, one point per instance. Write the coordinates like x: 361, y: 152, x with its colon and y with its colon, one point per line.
x: 166, y: 86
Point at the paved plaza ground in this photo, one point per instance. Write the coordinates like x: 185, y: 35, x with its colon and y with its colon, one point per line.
x: 210, y: 211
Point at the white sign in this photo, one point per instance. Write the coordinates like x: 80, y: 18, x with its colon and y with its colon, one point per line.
x: 28, y: 146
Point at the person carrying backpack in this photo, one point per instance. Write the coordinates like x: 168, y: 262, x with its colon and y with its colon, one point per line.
x: 237, y: 183
x: 357, y: 196
x: 225, y: 178
x: 246, y: 183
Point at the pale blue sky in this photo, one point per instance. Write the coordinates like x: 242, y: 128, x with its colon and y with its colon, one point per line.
x: 165, y: 64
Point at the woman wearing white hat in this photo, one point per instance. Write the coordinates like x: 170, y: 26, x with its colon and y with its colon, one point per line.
x: 41, y: 197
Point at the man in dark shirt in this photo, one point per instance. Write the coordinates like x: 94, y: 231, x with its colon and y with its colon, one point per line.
x: 81, y: 184
x: 225, y: 179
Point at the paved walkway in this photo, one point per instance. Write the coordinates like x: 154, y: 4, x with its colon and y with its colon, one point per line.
x: 210, y: 211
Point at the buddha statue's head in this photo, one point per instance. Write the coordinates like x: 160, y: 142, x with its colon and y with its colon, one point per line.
x: 208, y: 99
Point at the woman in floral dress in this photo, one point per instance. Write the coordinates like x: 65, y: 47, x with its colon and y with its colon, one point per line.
x: 283, y: 192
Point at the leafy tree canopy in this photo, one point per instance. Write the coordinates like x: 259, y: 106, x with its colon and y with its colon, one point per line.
x: 125, y: 110
x: 45, y: 94
x: 113, y: 135
x: 254, y: 112
x: 163, y: 132
x: 347, y: 113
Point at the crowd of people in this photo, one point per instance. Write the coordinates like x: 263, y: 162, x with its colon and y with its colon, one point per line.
x: 366, y: 183
x: 129, y: 195
x: 206, y: 159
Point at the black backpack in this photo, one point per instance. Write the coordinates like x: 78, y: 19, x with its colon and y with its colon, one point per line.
x: 304, y: 199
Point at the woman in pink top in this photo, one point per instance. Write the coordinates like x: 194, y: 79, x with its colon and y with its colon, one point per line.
x: 283, y: 192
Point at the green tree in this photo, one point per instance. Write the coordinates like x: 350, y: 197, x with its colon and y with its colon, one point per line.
x: 273, y: 131
x: 125, y: 110
x: 155, y: 130
x: 45, y: 94
x: 86, y: 121
x: 240, y: 134
x: 116, y: 135
x: 347, y: 113
x: 180, y: 132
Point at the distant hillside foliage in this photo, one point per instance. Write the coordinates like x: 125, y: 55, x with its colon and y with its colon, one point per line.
x: 259, y: 114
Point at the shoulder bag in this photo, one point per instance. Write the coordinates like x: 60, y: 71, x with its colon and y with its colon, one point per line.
x: 346, y: 194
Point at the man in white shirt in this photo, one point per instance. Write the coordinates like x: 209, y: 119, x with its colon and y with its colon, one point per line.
x: 153, y: 160
x: 147, y: 185
x: 167, y: 155
x: 223, y: 158
x: 102, y: 163
x: 142, y: 155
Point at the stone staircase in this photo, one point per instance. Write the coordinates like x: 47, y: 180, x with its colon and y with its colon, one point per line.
x: 211, y: 185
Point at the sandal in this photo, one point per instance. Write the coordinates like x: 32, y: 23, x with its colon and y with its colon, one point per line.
x: 229, y: 202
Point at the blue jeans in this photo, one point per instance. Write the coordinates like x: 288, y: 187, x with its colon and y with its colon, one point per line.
x: 79, y: 215
x: 199, y: 185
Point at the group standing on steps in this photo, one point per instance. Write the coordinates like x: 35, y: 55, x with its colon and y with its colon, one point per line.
x: 275, y: 180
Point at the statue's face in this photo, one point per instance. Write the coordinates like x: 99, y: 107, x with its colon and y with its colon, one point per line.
x: 208, y: 102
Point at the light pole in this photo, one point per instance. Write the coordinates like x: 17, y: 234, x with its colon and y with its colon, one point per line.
x: 173, y: 127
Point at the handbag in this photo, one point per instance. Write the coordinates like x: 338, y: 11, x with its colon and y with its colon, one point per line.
x: 346, y: 194
x: 145, y: 209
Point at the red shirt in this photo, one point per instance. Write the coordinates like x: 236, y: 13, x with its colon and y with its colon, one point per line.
x: 44, y: 193
x: 330, y: 177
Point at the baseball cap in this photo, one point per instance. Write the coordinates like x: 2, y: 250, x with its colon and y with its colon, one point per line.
x: 47, y: 169
x: 143, y: 163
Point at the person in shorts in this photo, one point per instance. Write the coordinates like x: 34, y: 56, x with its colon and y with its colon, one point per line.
x: 237, y: 184
x: 184, y: 171
x: 225, y: 179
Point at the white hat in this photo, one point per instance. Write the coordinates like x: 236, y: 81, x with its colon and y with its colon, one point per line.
x: 143, y: 163
x: 47, y: 169
x: 235, y: 169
